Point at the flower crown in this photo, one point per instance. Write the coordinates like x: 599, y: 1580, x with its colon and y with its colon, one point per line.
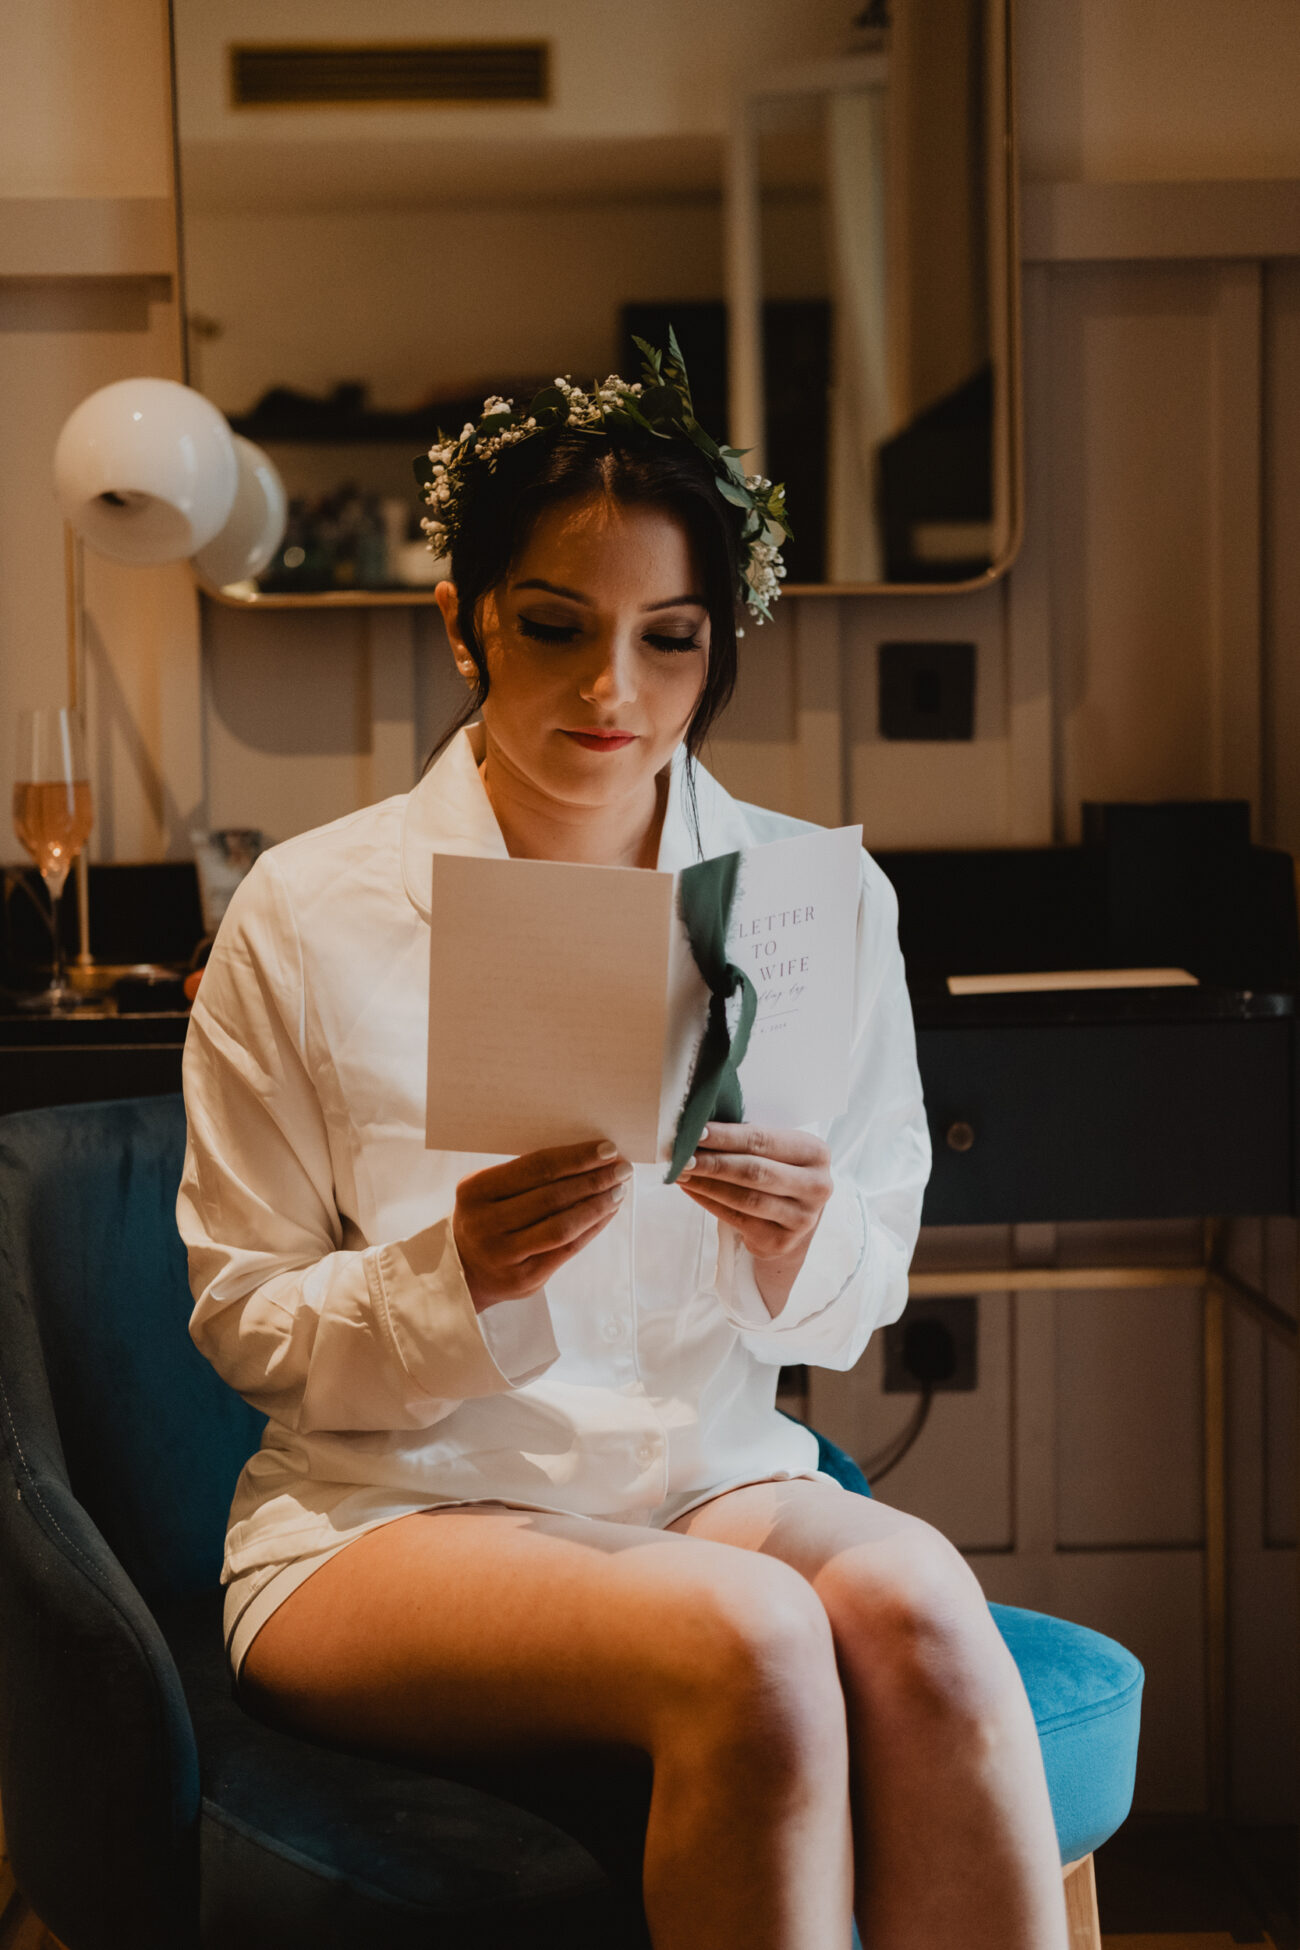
x: 659, y: 403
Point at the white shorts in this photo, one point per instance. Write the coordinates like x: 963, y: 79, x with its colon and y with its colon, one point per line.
x: 253, y: 1596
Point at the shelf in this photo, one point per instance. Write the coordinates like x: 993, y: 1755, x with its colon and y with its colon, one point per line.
x: 425, y: 598
x: 325, y: 599
x: 87, y: 237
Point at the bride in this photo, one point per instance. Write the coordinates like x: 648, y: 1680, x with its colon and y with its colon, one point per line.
x: 523, y: 1482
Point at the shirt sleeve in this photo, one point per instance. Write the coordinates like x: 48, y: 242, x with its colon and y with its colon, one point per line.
x: 854, y: 1278
x: 316, y: 1332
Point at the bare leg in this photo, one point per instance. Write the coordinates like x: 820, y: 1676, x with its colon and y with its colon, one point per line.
x: 450, y: 1632
x: 954, y: 1831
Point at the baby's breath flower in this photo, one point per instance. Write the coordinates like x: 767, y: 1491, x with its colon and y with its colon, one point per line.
x: 611, y: 403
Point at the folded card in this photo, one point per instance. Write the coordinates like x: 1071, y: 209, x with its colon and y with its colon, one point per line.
x: 574, y: 1002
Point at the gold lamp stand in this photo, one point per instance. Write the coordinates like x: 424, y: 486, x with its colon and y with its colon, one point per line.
x: 80, y: 974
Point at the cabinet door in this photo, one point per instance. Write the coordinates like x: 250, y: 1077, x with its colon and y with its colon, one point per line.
x: 1108, y: 1121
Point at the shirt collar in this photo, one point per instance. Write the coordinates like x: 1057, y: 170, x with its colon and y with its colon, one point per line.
x: 449, y: 812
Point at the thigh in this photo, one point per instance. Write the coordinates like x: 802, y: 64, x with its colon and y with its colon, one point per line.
x: 451, y: 1632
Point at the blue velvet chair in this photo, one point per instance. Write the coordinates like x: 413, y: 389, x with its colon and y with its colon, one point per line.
x: 142, y: 1806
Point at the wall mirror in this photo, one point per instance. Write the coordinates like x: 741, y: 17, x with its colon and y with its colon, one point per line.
x: 378, y: 233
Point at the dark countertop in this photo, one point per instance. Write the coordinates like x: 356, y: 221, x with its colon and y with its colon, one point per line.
x: 934, y: 1008
x: 103, y: 1026
x: 96, y: 1027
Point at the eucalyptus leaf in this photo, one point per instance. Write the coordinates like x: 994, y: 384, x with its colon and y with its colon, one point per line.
x: 738, y: 497
x: 661, y: 403
x: 549, y: 403
x: 637, y: 418
x: 422, y: 467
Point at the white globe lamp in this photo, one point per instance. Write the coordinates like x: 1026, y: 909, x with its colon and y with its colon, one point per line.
x: 145, y: 471
x: 148, y: 471
x: 256, y: 523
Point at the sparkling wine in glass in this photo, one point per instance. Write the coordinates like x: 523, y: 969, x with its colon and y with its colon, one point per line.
x: 52, y: 817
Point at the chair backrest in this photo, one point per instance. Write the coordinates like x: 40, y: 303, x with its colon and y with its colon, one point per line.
x: 95, y: 1355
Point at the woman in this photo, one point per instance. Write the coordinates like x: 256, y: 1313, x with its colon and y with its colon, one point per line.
x: 523, y: 1480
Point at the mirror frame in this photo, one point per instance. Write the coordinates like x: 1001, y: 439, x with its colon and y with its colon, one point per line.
x: 742, y: 285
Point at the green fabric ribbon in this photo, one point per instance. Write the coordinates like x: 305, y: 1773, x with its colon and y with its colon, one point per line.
x: 705, y: 894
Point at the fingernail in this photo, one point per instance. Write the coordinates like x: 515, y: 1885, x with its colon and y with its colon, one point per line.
x: 620, y: 1193
x: 690, y: 1165
x: 704, y: 1134
x: 606, y: 1150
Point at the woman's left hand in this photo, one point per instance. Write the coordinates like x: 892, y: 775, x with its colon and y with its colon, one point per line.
x: 771, y: 1186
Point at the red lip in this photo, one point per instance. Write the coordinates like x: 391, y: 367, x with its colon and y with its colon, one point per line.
x: 602, y: 741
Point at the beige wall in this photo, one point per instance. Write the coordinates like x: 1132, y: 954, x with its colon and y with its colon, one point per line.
x: 84, y: 117
x: 423, y: 303
x: 1164, y: 90
x: 83, y: 99
x: 615, y: 71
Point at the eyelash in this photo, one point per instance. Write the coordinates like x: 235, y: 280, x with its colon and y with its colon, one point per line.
x: 565, y: 633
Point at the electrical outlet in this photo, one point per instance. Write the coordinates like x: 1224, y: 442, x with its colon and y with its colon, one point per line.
x: 927, y: 690
x: 935, y: 1344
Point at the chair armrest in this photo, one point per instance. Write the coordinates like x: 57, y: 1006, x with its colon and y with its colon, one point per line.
x: 98, y: 1765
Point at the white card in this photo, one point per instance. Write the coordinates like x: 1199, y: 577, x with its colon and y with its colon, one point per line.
x: 794, y: 930
x: 548, y: 996
x: 565, y: 1003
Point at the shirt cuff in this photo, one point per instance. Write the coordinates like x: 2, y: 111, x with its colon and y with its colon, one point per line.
x: 450, y: 1350
x: 519, y: 1337
x: 834, y: 1260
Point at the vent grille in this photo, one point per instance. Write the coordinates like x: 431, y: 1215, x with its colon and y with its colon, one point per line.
x: 302, y: 75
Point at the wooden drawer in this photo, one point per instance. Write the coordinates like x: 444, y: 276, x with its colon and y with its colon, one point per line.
x: 1108, y: 1121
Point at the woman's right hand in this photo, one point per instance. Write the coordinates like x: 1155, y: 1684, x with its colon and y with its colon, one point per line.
x: 516, y: 1224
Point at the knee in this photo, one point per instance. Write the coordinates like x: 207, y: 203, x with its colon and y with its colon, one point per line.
x: 914, y: 1633
x: 761, y: 1676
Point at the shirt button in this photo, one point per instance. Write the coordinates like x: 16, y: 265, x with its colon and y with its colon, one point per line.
x: 612, y: 1327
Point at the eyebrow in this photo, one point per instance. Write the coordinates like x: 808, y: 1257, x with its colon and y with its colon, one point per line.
x: 576, y: 595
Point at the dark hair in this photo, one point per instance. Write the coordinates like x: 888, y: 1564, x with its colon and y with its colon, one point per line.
x: 501, y: 505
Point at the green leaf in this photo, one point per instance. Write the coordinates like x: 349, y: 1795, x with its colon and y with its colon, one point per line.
x: 675, y: 351
x: 632, y: 411
x: 549, y: 404
x: 738, y: 497
x: 661, y: 403
x: 704, y: 441
x: 650, y: 353
x: 423, y: 470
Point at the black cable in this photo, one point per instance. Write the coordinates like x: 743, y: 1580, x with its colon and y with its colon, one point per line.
x: 876, y: 1468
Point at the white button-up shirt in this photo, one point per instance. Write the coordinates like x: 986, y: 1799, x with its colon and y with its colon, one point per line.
x: 327, y: 1287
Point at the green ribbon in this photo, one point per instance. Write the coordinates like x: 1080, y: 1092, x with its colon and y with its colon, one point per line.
x: 705, y: 894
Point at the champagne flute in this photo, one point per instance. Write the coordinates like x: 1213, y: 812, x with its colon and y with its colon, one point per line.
x: 52, y: 817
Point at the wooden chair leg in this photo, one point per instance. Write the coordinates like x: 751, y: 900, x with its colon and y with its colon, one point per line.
x: 1081, y: 1905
